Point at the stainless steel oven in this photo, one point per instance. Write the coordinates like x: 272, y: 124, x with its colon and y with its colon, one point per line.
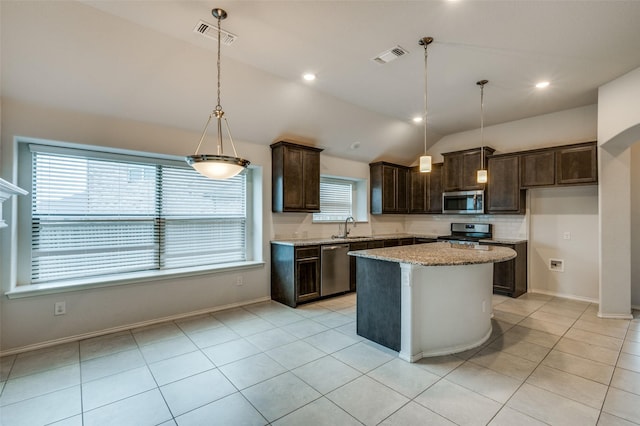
x: 463, y: 202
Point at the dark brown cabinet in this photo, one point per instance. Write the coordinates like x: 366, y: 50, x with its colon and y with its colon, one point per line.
x: 434, y: 191
x: 510, y: 277
x: 460, y: 168
x: 538, y: 169
x: 503, y: 190
x: 425, y: 190
x: 389, y: 184
x: 295, y: 274
x: 418, y: 190
x: 295, y: 177
x: 564, y: 165
x: 577, y: 165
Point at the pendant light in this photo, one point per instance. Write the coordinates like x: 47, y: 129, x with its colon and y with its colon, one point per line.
x: 482, y: 173
x: 217, y: 166
x: 425, y: 160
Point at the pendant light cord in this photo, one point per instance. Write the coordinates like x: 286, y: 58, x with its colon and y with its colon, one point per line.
x: 425, y: 97
x: 481, y: 83
x: 218, y: 106
x: 482, y: 126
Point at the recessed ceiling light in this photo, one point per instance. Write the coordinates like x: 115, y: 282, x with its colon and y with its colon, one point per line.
x: 542, y: 84
x: 417, y: 119
x: 309, y: 76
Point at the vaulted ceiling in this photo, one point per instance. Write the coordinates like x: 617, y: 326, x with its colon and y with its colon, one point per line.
x: 142, y: 60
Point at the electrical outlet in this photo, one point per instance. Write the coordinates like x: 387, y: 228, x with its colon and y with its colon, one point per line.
x: 239, y: 280
x: 60, y: 308
x: 566, y: 235
x: 556, y: 265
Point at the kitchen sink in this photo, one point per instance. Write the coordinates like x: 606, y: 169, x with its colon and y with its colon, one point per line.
x: 363, y: 237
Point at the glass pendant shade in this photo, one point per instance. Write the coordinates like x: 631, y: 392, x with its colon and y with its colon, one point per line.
x: 217, y: 166
x: 425, y: 163
x: 482, y: 176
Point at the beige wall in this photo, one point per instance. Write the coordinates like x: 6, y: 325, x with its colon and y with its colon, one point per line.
x: 30, y: 320
x: 618, y: 131
x: 635, y: 226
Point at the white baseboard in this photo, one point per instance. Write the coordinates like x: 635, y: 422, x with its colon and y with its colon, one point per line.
x: 615, y: 316
x: 565, y: 296
x: 84, y: 336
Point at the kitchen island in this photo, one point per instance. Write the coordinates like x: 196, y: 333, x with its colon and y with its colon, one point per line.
x: 426, y: 299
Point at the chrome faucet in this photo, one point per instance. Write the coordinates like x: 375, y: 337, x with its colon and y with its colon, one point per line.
x: 346, y: 226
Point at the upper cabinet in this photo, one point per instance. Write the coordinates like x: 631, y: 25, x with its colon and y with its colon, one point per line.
x: 389, y: 183
x: 460, y: 167
x: 577, y: 164
x: 295, y: 177
x: 425, y: 190
x: 538, y: 168
x: 563, y: 165
x: 504, y: 194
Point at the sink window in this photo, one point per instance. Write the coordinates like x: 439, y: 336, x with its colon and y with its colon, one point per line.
x: 341, y: 198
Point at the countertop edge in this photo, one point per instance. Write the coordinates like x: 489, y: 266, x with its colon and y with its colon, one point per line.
x: 321, y: 241
x: 437, y: 254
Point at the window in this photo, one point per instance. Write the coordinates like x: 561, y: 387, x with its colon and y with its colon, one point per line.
x: 336, y: 199
x: 99, y: 214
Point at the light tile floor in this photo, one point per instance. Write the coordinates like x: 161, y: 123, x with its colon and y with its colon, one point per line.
x: 549, y: 361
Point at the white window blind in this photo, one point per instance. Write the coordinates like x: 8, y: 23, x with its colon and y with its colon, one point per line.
x: 336, y: 203
x: 95, y: 216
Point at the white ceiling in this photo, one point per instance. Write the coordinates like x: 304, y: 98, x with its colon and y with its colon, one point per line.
x: 141, y: 60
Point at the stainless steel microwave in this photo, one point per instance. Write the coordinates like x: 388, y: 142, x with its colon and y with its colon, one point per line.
x: 463, y: 202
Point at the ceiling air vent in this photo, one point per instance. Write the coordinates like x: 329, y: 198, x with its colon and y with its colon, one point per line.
x: 211, y: 31
x: 390, y: 55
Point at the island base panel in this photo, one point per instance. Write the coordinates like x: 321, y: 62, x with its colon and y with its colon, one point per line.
x: 379, y: 302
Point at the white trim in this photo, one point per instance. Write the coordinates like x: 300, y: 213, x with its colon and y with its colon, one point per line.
x: 31, y: 290
x: 565, y: 296
x: 84, y: 336
x: 615, y: 316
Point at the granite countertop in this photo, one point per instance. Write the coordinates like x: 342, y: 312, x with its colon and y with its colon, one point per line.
x: 438, y: 254
x: 504, y: 240
x: 353, y: 239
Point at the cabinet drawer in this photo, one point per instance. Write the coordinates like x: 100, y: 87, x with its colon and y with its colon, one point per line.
x: 307, y: 252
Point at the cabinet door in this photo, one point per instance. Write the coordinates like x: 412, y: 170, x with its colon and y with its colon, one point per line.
x: 471, y: 163
x: 293, y: 165
x: 537, y: 169
x: 406, y: 241
x: 503, y: 190
x: 434, y: 191
x: 389, y: 177
x: 402, y: 198
x: 504, y: 276
x: 307, y: 279
x: 311, y: 180
x: 452, y: 172
x: 418, y: 183
x: 577, y: 165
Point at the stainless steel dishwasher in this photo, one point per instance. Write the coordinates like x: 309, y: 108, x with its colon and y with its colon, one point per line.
x: 334, y: 276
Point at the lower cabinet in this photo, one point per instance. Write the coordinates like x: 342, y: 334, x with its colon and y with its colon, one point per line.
x: 510, y: 277
x: 295, y: 274
x: 295, y: 271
